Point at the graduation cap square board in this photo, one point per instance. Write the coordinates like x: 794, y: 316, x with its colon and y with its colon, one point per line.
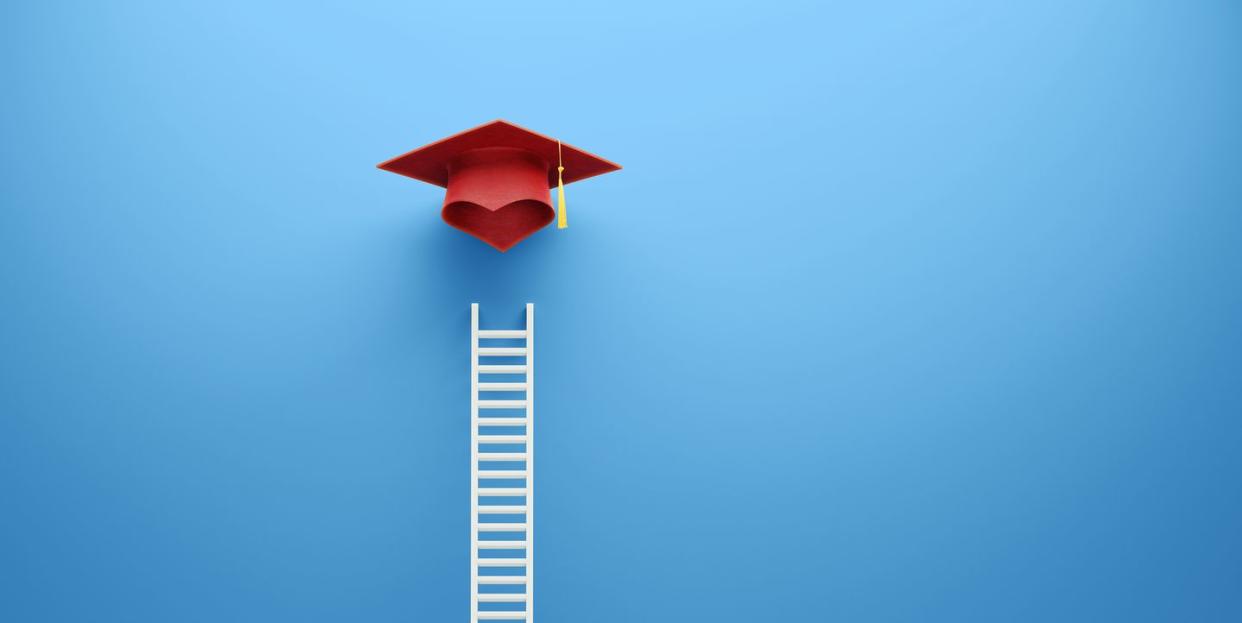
x: 497, y: 178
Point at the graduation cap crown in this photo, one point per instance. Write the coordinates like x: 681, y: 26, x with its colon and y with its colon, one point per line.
x: 497, y: 179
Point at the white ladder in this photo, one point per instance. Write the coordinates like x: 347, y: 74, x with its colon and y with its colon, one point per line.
x: 509, y: 563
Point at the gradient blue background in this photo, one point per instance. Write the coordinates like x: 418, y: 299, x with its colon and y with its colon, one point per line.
x: 898, y: 312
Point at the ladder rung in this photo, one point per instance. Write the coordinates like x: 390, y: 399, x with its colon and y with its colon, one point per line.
x: 502, y: 510
x: 502, y: 421
x: 502, y: 527
x: 502, y: 562
x: 502, y: 545
x: 502, y: 369
x: 502, y: 438
x: 502, y: 334
x: 494, y: 491
x: 503, y: 597
x: 502, y: 404
x: 502, y: 351
x: 502, y: 387
x: 502, y: 616
x: 502, y: 579
x: 502, y: 473
x: 502, y: 456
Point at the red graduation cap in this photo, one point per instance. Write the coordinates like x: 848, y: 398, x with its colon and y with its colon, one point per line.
x: 498, y: 176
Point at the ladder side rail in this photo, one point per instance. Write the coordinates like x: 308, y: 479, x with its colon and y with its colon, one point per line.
x: 530, y: 462
x: 474, y: 463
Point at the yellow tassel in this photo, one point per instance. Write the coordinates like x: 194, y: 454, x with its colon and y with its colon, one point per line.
x: 561, y: 221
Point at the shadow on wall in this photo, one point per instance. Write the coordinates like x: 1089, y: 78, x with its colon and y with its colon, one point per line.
x: 450, y: 269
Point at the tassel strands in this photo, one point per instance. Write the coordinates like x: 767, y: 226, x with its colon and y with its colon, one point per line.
x: 561, y: 219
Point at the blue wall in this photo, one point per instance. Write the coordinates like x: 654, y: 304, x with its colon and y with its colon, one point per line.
x: 898, y: 312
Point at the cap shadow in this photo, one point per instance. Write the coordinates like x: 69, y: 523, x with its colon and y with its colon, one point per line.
x: 447, y: 266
